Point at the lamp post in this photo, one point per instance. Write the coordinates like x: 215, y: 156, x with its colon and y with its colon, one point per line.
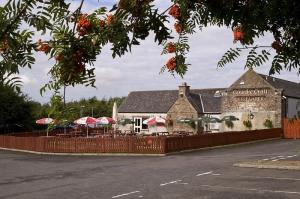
x: 250, y: 116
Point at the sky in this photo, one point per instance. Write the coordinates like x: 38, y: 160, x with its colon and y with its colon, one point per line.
x: 139, y: 70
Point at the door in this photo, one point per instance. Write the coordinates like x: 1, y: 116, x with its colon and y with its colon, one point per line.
x: 137, y: 124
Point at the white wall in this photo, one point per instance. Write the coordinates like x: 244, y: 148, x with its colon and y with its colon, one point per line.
x: 214, y: 127
x: 293, y: 107
x: 257, y: 121
x: 129, y: 127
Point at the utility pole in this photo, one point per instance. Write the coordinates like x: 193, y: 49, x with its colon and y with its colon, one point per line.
x: 81, y: 107
x: 92, y: 111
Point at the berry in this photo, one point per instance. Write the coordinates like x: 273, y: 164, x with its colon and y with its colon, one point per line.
x: 171, y: 64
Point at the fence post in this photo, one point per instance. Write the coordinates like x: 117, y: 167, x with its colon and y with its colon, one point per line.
x: 163, y: 144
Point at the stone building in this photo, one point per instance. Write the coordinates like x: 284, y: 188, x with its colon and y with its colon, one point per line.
x: 256, y: 98
x: 253, y: 97
x: 175, y: 105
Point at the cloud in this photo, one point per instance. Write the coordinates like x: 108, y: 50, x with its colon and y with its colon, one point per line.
x: 139, y: 70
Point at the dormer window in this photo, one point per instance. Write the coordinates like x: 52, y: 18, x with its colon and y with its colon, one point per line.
x: 242, y: 83
x: 217, y: 94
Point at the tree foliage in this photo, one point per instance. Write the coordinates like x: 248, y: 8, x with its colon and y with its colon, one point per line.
x: 76, y: 38
x: 16, y: 111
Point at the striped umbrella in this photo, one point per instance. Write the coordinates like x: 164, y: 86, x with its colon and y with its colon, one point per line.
x: 154, y: 121
x: 105, y: 120
x: 86, y: 121
x: 45, y: 121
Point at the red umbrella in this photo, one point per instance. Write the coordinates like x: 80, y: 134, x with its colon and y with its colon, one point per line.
x: 86, y: 121
x: 105, y: 120
x: 45, y: 121
x: 154, y: 121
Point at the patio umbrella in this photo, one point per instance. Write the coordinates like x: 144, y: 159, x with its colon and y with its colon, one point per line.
x: 105, y: 121
x: 45, y: 121
x: 86, y: 121
x: 229, y: 118
x: 154, y: 121
x: 207, y: 120
x: 115, y: 115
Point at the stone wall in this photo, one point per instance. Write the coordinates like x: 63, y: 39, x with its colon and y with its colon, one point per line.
x: 182, y: 109
x: 252, y: 98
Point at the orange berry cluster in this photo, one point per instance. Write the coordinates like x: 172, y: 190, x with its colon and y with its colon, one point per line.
x: 42, y: 46
x: 102, y: 23
x: 238, y: 34
x: 177, y: 27
x: 59, y: 57
x: 171, y: 47
x: 175, y: 11
x: 83, y: 25
x: 171, y: 64
x: 110, y: 19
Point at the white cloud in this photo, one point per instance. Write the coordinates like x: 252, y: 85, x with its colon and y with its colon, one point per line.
x: 139, y: 70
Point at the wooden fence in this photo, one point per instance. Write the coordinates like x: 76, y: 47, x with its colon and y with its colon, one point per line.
x: 291, y: 129
x: 133, y: 144
x: 174, y: 144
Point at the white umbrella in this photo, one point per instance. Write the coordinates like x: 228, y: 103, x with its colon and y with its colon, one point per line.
x: 155, y: 121
x: 115, y: 115
x: 86, y: 121
x: 105, y: 121
x: 45, y: 121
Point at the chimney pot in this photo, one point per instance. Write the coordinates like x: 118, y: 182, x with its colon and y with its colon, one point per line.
x: 184, y: 90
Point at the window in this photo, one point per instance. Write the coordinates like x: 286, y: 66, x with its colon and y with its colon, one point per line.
x: 217, y: 94
x: 144, y: 126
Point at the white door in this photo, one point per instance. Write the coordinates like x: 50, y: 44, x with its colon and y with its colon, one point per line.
x: 137, y: 124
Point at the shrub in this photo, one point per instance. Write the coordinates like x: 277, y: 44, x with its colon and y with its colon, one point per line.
x: 247, y: 124
x: 229, y: 124
x: 268, y: 123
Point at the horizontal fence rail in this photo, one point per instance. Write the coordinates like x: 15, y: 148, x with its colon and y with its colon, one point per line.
x: 291, y: 128
x: 174, y: 144
x: 133, y: 144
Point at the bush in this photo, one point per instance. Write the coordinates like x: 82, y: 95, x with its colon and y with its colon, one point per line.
x: 229, y: 124
x: 268, y: 123
x: 247, y: 124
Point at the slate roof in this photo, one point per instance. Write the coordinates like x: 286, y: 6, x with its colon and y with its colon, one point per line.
x: 290, y: 89
x: 149, y: 101
x: 161, y: 101
x: 211, y: 103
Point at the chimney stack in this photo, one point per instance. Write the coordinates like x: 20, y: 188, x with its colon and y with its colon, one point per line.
x: 184, y: 90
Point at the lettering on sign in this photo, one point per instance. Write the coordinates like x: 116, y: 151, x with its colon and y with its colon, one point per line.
x: 251, y: 91
x: 250, y: 98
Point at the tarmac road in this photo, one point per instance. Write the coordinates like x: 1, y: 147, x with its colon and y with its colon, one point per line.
x: 202, y: 174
